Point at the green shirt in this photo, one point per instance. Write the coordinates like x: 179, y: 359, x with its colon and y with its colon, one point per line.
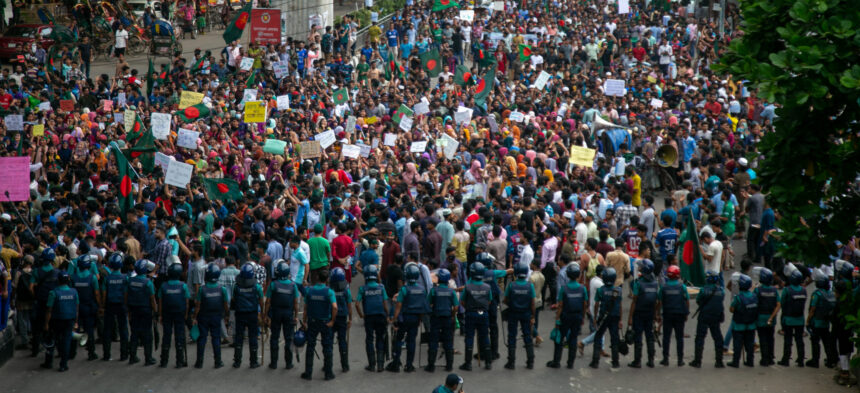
x: 320, y: 251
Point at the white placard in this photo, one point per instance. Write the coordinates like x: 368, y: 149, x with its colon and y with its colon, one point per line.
x: 406, y: 123
x: 284, y: 102
x: 614, y: 87
x: 162, y: 160
x: 326, y: 138
x: 365, y: 149
x: 351, y: 151
x: 657, y: 103
x: 119, y: 117
x: 350, y: 125
x: 160, y: 123
x: 249, y: 95
x: 623, y: 6
x: 463, y: 115
x: 375, y: 143
x: 517, y: 116
x: 178, y: 174
x: 281, y: 69
x: 14, y: 122
x: 390, y: 139
x: 418, y: 147
x: 451, y: 145
x: 44, y: 106
x: 121, y: 99
x: 421, y: 108
x: 374, y: 16
x: 494, y: 127
x: 187, y: 138
x: 246, y: 64
x: 467, y: 15
x: 541, y: 80
x: 128, y: 119
x: 498, y: 6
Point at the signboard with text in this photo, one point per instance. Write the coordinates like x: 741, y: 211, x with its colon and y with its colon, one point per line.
x: 266, y: 26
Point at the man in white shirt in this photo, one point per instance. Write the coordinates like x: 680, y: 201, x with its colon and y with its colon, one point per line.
x: 712, y: 252
x: 665, y: 52
x: 121, y: 41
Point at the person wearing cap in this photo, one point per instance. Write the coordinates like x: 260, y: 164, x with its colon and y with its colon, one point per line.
x: 453, y: 384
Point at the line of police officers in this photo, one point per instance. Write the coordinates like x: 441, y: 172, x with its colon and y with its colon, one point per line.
x: 77, y: 296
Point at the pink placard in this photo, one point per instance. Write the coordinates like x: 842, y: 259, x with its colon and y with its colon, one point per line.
x: 15, y: 179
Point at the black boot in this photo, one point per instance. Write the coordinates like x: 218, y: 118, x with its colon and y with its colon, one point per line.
x: 697, y: 360
x: 718, y: 361
x: 237, y: 354
x: 147, y: 353
x: 181, y: 360
x: 784, y: 362
x: 328, y: 360
x: 512, y: 358
x: 288, y: 357
x: 449, y: 360
x: 431, y: 361
x: 394, y: 366
x: 91, y: 350
x: 615, y: 363
x: 218, y: 362
x: 651, y: 354
x: 123, y: 351
x: 488, y: 359
x: 106, y: 350
x: 595, y: 359
x: 556, y: 356
x: 344, y: 360
x: 637, y: 356
x: 736, y: 359
x: 801, y: 355
x: 165, y: 355
x: 530, y: 355
x: 273, y: 356
x: 467, y: 363
x: 380, y: 362
x: 254, y: 361
x: 371, y: 361
x: 132, y: 350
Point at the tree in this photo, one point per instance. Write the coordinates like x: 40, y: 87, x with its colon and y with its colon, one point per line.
x: 805, y: 55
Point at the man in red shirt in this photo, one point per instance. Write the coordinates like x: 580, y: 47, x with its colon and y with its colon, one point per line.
x: 639, y: 52
x: 342, y: 248
x: 713, y: 106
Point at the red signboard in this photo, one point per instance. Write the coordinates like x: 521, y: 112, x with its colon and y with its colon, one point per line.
x: 266, y: 26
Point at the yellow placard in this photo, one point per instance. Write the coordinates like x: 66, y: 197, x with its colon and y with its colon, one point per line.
x: 582, y: 156
x: 38, y: 130
x: 255, y: 112
x: 370, y: 120
x: 189, y: 98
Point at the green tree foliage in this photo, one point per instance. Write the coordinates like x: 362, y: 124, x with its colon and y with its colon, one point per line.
x: 805, y: 55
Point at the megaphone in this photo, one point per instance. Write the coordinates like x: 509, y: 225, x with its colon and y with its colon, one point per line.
x: 81, y: 338
x: 667, y: 156
x: 599, y: 123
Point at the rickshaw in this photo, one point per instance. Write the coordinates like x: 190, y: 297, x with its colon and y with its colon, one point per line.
x: 164, y: 42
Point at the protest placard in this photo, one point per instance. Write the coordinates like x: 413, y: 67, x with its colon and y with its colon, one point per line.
x: 517, y: 116
x: 246, y: 63
x: 463, y: 115
x: 274, y: 146
x: 582, y: 156
x: 249, y: 95
x: 44, y: 106
x: 350, y: 125
x: 67, y: 105
x: 351, y: 151
x: 614, y: 87
x: 326, y: 138
x: 281, y: 69
x: 421, y: 108
x: 541, y: 80
x: 310, y: 149
x: 128, y: 119
x: 418, y: 147
x: 178, y: 174
x: 406, y: 124
x: 255, y: 112
x: 15, y: 178
x: 119, y: 117
x: 623, y: 6
x: 657, y: 103
x: 14, y: 122
x: 390, y: 139
x: 283, y: 102
x: 160, y: 123
x: 494, y: 127
x: 189, y: 98
x: 451, y: 146
x: 187, y: 138
x: 38, y: 129
x: 365, y: 149
x: 162, y: 160
x: 467, y: 15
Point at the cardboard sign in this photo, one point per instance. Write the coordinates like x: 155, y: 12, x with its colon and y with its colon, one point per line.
x: 15, y: 179
x: 38, y: 130
x: 284, y: 102
x: 463, y: 115
x: 178, y: 174
x: 162, y: 160
x: 406, y: 123
x: 282, y: 70
x: 14, y: 122
x: 310, y: 149
x: 390, y: 139
x: 582, y: 156
x: 187, y: 138
x: 541, y: 80
x: 422, y: 108
x: 657, y: 103
x: 128, y: 119
x: 246, y: 63
x: 275, y: 146
x: 614, y: 87
x: 451, y: 146
x: 467, y: 15
x: 255, y: 112
x: 160, y: 123
x: 351, y: 151
x: 266, y: 25
x: 365, y: 149
x: 418, y: 147
x: 67, y: 105
x: 189, y: 98
x: 326, y: 138
x: 517, y: 117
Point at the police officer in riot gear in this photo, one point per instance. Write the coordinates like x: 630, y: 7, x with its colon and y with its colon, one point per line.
x: 745, y: 312
x: 344, y: 315
x: 608, y: 302
x: 572, y: 305
x: 89, y: 294
x: 212, y: 304
x: 793, y: 304
x: 320, y: 313
x: 60, y: 316
x: 115, y: 312
x: 477, y: 297
x: 283, y: 295
x: 44, y: 282
x: 411, y: 304
x: 520, y: 298
x: 248, y: 298
x: 443, y: 310
x: 173, y: 308
x: 372, y: 306
x: 643, y: 312
x: 768, y: 299
x: 710, y: 301
x: 140, y: 299
x: 675, y: 303
x: 821, y: 312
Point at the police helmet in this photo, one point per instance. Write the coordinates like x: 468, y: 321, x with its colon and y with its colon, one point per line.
x: 844, y: 269
x: 712, y: 277
x: 822, y: 283
x: 63, y: 277
x: 646, y: 266
x: 115, y: 261
x: 48, y: 255
x: 371, y: 273
x: 476, y: 271
x: 299, y: 338
x: 765, y: 276
x: 174, y: 271
x: 338, y: 279
x: 796, y: 278
x: 609, y: 276
x: 744, y: 282
x: 521, y: 270
x: 443, y: 276
x: 143, y: 266
x: 84, y: 262
x: 573, y: 271
x: 412, y: 272
x: 673, y: 272
x: 247, y: 271
x: 282, y: 270
x: 212, y: 272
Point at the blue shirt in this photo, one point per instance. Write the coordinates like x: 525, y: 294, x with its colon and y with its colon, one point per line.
x: 301, y: 55
x: 392, y: 37
x: 667, y: 238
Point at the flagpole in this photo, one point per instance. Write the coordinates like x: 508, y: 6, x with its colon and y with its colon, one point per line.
x: 114, y: 146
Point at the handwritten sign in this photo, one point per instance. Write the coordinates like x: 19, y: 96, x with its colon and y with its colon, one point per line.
x: 119, y: 117
x: 38, y: 130
x: 614, y: 87
x: 281, y: 69
x: 390, y: 139
x: 365, y: 149
x: 107, y: 105
x: 275, y: 146
x: 187, y: 138
x: 582, y: 156
x: 15, y: 178
x: 246, y: 64
x: 406, y: 123
x: 422, y: 108
x: 498, y: 6
x: 517, y: 116
x: 249, y: 95
x: 463, y: 115
x: 44, y: 106
x: 494, y: 127
x: 541, y: 80
x: 418, y: 147
x: 121, y: 99
x: 162, y: 160
x: 467, y: 15
x: 189, y: 98
x: 283, y: 102
x: 451, y: 146
x: 178, y: 174
x: 310, y: 149
x: 160, y: 125
x: 67, y: 105
x: 657, y: 103
x: 128, y: 119
x: 623, y: 6
x: 351, y: 151
x: 375, y: 143
x: 255, y: 112
x: 14, y: 122
x: 326, y: 138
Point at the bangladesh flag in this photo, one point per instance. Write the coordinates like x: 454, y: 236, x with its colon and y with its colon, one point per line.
x: 136, y: 131
x: 431, y: 62
x: 237, y: 25
x: 485, y: 86
x: 340, y: 96
x: 403, y: 111
x: 198, y: 65
x: 485, y: 59
x: 392, y: 68
x: 439, y: 5
x: 525, y: 52
x: 193, y: 113
x: 126, y: 195
x: 462, y: 75
x: 223, y: 189
x: 144, y: 151
x: 692, y: 267
x: 150, y: 81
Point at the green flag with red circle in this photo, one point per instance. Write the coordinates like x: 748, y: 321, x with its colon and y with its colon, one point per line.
x: 223, y: 189
x: 193, y: 113
x: 439, y: 5
x: 402, y: 111
x: 431, y: 63
x: 485, y: 86
x: 340, y: 96
x: 525, y: 52
x: 691, y: 264
x: 237, y: 25
x: 125, y: 192
x: 462, y: 75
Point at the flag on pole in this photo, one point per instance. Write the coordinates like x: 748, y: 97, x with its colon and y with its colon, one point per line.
x: 193, y: 113
x: 431, y: 62
x: 223, y: 189
x: 485, y: 86
x: 198, y: 64
x: 462, y: 75
x: 439, y: 5
x: 237, y: 25
x: 525, y: 52
x: 150, y: 81
x: 126, y: 195
x: 340, y: 96
x: 692, y: 267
